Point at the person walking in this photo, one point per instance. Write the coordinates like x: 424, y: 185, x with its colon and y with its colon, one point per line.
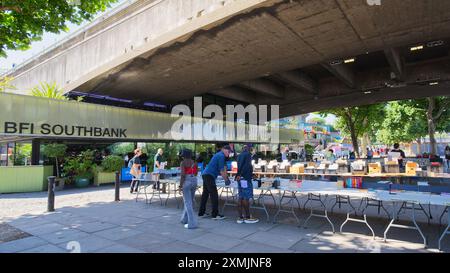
x: 135, y: 170
x: 245, y: 187
x: 188, y: 186
x: 212, y: 170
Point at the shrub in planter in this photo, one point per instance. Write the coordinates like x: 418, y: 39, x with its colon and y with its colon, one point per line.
x: 56, y: 151
x: 106, y: 173
x: 112, y: 163
x: 81, y: 168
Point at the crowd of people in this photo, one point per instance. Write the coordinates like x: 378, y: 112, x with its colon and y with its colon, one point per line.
x: 188, y: 183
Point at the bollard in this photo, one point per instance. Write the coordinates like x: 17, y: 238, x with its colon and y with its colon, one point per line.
x: 117, y: 184
x: 51, y: 194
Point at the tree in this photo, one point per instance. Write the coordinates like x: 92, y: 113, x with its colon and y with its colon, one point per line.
x: 403, y: 123
x: 55, y: 151
x: 5, y: 84
x: 413, y: 119
x: 357, y: 121
x: 51, y: 91
x: 46, y: 90
x: 24, y: 21
x: 437, y: 116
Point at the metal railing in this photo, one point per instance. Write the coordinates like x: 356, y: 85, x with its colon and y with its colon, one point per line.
x: 100, y: 18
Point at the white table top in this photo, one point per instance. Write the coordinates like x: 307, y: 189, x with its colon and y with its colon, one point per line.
x: 331, y: 188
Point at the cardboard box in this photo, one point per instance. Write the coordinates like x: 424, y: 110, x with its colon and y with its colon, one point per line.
x: 411, y: 168
x: 297, y: 168
x: 375, y: 168
x: 392, y: 168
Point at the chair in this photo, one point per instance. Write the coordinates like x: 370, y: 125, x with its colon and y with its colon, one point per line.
x: 145, y: 180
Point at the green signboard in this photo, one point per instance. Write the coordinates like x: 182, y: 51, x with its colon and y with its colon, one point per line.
x: 48, y: 118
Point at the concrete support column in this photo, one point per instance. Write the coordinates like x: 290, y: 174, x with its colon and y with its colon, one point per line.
x: 35, y: 151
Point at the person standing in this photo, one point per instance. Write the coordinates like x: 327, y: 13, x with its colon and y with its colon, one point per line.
x: 157, y: 166
x: 285, y: 154
x: 447, y: 157
x: 369, y: 154
x: 245, y: 187
x: 216, y: 165
x: 402, y: 154
x: 254, y: 155
x: 330, y: 156
x: 188, y: 185
x: 135, y: 170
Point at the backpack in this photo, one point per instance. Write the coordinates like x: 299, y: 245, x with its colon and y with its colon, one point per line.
x: 131, y: 162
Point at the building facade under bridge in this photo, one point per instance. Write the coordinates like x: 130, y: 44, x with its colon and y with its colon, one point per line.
x: 27, y: 118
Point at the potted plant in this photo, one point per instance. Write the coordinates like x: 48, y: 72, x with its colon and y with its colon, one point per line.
x: 56, y: 151
x: 106, y: 172
x: 81, y: 168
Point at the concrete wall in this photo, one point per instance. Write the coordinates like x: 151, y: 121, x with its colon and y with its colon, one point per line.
x: 157, y: 24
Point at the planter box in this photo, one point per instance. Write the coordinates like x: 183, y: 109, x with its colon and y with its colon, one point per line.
x: 104, y: 178
x: 17, y: 179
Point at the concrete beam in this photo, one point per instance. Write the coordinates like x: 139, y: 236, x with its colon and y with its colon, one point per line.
x: 361, y: 98
x: 342, y: 72
x: 395, y: 62
x: 235, y: 93
x: 264, y: 86
x: 299, y: 80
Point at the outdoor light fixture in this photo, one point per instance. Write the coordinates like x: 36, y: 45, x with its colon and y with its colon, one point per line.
x: 415, y: 48
x: 336, y: 62
x: 433, y: 83
x: 435, y: 43
x: 352, y: 60
x: 368, y: 92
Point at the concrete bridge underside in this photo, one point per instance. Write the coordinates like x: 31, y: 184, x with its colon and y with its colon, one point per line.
x: 263, y: 52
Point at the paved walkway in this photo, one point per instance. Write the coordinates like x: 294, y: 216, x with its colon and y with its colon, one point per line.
x: 87, y: 220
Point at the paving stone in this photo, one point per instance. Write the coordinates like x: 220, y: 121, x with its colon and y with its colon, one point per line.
x: 117, y: 233
x: 116, y: 248
x: 43, y: 229
x: 279, y: 240
x: 253, y: 247
x: 21, y: 244
x: 183, y: 247
x: 91, y: 243
x: 216, y: 242
x: 144, y: 240
x: 64, y: 235
x: 93, y: 226
x: 234, y: 230
x: 49, y: 248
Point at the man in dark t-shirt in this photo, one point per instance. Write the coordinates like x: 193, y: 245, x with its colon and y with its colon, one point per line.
x: 402, y: 154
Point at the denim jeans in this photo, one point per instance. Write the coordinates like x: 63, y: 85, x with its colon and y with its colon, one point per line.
x: 189, y: 188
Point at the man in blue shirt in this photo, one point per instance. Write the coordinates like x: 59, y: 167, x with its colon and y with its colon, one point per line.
x: 215, y: 167
x: 245, y: 187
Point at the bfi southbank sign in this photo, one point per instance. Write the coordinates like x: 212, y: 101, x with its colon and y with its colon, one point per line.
x: 46, y: 118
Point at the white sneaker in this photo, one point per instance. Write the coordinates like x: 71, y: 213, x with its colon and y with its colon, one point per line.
x: 251, y: 221
x: 219, y: 217
x: 240, y: 220
x: 186, y: 226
